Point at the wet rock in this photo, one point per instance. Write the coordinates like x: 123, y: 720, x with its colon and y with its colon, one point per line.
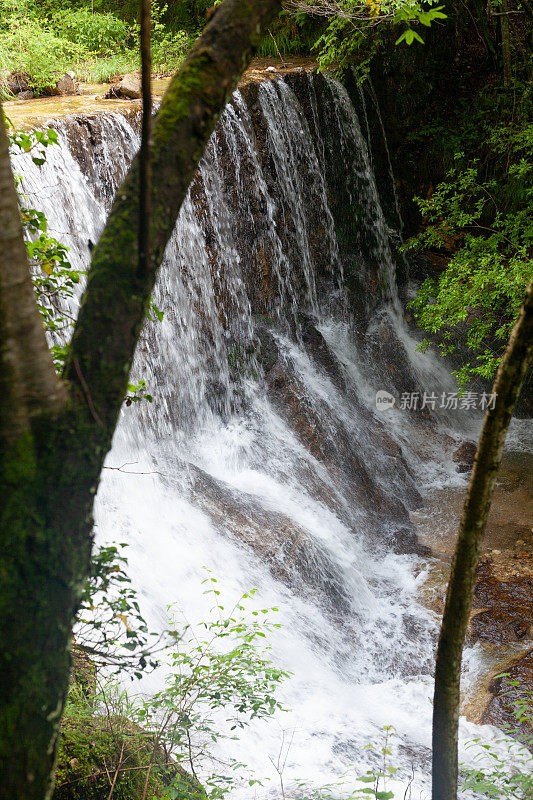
x: 506, y: 615
x: 507, y: 692
x: 499, y: 627
x: 86, y: 136
x: 372, y: 479
x: 17, y: 82
x: 464, y: 456
x: 129, y: 87
x: 28, y: 95
x: 66, y: 85
x: 314, y: 343
x: 291, y: 554
x: 405, y: 540
x: 267, y: 352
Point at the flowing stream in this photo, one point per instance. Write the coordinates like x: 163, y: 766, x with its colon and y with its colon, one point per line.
x: 263, y: 457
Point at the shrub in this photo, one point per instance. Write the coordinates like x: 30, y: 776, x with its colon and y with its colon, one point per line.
x: 29, y: 48
x: 169, y: 51
x: 96, y: 33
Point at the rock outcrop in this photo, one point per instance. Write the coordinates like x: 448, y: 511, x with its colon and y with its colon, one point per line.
x: 129, y: 88
x: 464, y: 456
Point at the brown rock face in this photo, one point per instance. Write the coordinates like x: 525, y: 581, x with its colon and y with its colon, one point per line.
x: 17, y: 82
x: 504, y: 623
x: 507, y: 607
x: 464, y: 456
x: 129, y: 87
x: 66, y: 85
x: 505, y: 696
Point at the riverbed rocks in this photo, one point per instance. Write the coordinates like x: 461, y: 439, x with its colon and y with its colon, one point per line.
x: 502, y: 623
x: 464, y: 456
x: 65, y: 85
x: 503, y: 597
x: 18, y: 84
x: 128, y: 88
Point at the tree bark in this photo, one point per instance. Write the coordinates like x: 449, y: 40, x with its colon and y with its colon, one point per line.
x: 506, y: 44
x: 145, y: 166
x: 28, y: 381
x: 48, y: 489
x: 509, y: 379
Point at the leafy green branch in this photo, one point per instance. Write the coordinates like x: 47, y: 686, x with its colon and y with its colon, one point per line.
x: 487, y: 225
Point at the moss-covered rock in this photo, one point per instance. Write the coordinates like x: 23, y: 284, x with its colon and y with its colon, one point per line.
x: 103, y: 754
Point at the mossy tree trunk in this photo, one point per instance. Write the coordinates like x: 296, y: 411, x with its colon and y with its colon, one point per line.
x: 509, y: 379
x: 54, y: 435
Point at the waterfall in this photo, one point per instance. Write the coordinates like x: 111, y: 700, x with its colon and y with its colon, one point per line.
x: 263, y: 456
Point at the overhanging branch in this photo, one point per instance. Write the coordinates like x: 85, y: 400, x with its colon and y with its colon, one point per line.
x: 115, y: 300
x: 28, y: 382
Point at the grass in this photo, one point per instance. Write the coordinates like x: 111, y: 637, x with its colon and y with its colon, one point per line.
x: 104, y: 70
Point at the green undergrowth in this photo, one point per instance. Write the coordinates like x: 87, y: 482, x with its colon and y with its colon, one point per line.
x: 103, y: 753
x: 41, y: 43
x: 117, y: 743
x: 479, y: 220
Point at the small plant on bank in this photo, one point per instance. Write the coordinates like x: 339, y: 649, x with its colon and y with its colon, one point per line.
x: 220, y: 677
x: 498, y: 776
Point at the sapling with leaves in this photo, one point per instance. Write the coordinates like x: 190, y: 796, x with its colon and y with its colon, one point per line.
x: 110, y: 626
x: 220, y: 677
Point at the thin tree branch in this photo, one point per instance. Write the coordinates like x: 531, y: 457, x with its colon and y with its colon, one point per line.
x: 509, y: 379
x: 145, y: 175
x: 28, y: 381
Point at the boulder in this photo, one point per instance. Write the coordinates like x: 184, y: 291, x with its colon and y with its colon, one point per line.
x: 28, y: 95
x: 66, y: 85
x: 129, y: 87
x: 17, y: 82
x: 464, y: 456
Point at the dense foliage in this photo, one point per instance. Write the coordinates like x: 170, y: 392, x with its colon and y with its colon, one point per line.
x: 481, y: 218
x: 41, y: 41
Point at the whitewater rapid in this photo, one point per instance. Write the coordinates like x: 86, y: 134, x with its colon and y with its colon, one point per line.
x: 215, y: 468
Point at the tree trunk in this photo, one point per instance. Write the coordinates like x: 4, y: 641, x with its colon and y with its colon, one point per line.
x: 50, y: 476
x: 145, y: 167
x: 28, y: 381
x: 510, y: 376
x: 506, y: 43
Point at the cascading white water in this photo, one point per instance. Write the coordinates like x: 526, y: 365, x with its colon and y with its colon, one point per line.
x: 283, y: 478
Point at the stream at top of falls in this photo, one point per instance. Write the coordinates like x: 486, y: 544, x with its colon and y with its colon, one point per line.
x: 263, y: 457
